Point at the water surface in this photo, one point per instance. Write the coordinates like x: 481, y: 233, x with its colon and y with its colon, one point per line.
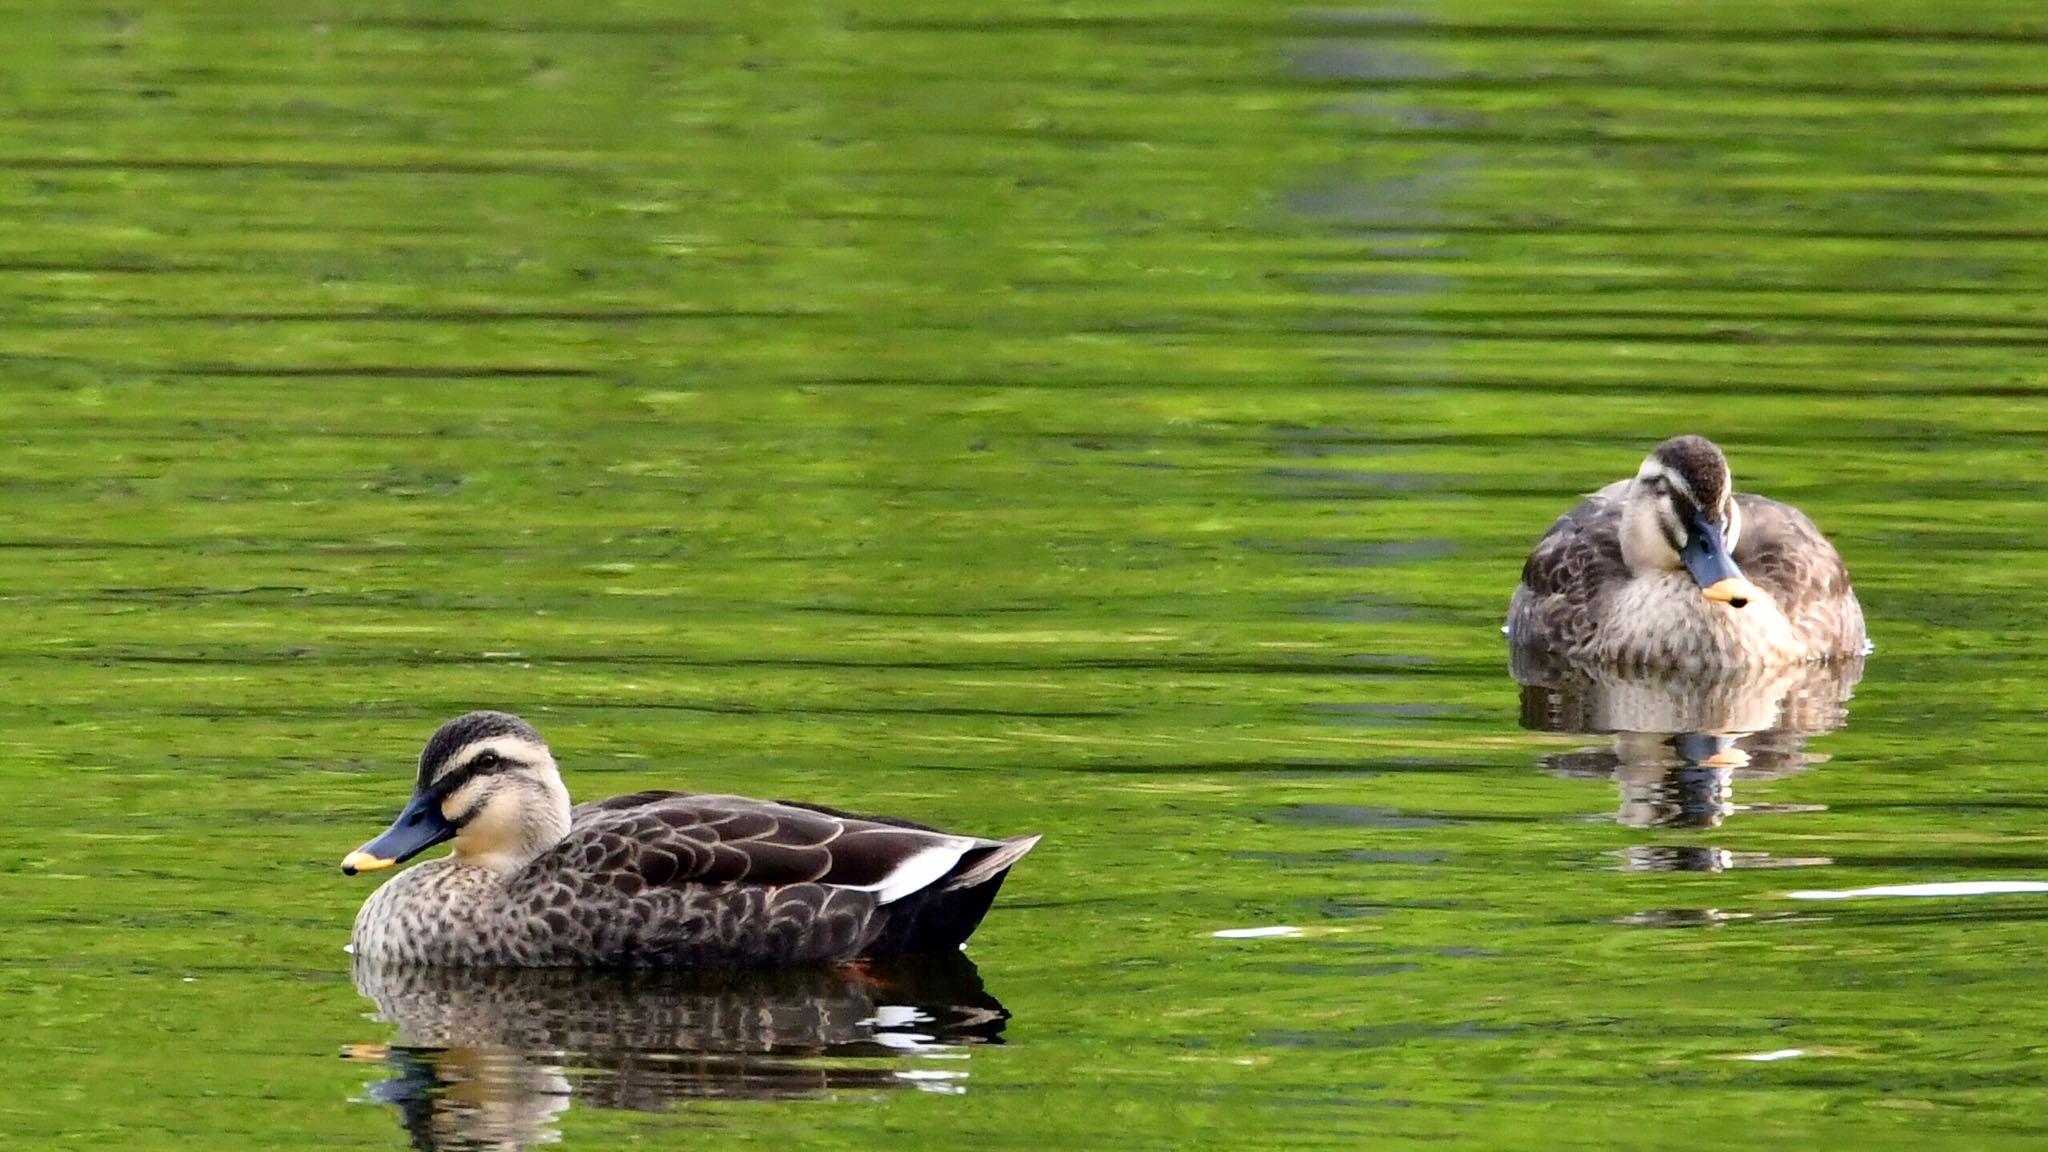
x: 1123, y: 422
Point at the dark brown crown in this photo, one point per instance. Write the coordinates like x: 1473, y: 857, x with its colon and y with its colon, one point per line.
x: 465, y: 730
x: 1699, y: 466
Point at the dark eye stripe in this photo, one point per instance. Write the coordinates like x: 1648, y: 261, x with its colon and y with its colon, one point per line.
x: 484, y: 764
x: 1686, y: 509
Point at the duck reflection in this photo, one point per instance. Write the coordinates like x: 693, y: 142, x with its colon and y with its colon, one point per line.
x: 1680, y: 743
x: 486, y: 1059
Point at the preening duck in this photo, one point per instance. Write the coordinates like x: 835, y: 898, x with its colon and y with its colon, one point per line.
x: 653, y: 879
x: 1672, y: 568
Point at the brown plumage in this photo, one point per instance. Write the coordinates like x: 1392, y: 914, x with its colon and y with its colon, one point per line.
x: 653, y: 879
x: 1672, y: 568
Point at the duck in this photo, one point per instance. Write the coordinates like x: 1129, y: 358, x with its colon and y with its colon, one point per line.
x: 1674, y: 570
x: 655, y: 879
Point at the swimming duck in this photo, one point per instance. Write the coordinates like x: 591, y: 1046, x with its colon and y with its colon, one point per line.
x: 1674, y: 569
x: 652, y: 879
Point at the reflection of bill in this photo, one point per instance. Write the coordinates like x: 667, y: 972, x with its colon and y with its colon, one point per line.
x: 1680, y: 743
x: 486, y: 1058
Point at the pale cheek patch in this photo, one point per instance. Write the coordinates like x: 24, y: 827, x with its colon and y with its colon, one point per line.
x: 461, y: 802
x: 493, y: 823
x: 1644, y: 543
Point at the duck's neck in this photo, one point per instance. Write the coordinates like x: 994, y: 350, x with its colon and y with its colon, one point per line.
x: 513, y: 828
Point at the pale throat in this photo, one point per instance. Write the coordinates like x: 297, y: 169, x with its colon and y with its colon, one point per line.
x: 500, y: 858
x: 508, y: 830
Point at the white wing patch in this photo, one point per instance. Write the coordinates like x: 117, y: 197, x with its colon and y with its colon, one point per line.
x: 917, y: 871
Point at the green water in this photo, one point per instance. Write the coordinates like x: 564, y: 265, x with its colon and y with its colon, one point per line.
x: 1121, y: 421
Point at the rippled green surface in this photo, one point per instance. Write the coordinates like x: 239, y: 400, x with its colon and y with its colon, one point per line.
x: 1121, y: 421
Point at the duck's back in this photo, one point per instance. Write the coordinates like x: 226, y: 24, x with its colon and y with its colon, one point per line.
x: 678, y: 879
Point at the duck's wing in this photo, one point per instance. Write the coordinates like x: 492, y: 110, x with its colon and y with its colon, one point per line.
x: 673, y: 839
x: 678, y: 879
x: 1782, y: 551
x: 1567, y: 571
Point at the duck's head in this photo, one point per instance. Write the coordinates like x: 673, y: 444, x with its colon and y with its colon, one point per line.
x: 486, y: 781
x: 1681, y: 514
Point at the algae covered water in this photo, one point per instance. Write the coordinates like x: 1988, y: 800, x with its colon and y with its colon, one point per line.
x: 1123, y: 422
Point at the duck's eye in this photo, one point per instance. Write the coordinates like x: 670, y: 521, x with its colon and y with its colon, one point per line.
x: 485, y: 761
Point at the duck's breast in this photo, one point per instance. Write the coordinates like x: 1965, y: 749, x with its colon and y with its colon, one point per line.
x: 1662, y: 619
x: 439, y: 912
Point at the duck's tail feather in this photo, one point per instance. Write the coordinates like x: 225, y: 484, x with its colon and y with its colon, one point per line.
x: 988, y: 864
x: 944, y: 915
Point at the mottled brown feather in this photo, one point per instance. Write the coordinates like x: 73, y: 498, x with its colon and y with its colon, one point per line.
x: 1783, y: 552
x: 1570, y: 569
x: 710, y: 839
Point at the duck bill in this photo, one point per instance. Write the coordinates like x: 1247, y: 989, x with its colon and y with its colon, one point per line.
x: 418, y: 828
x: 1706, y: 557
x: 1710, y: 751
